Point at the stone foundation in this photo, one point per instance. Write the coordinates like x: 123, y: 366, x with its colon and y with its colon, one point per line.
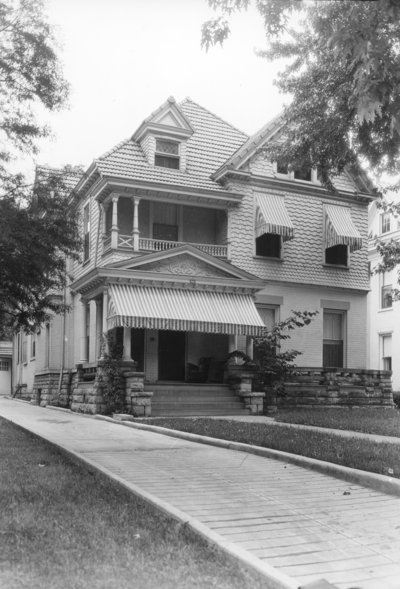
x: 341, y: 387
x: 45, y: 389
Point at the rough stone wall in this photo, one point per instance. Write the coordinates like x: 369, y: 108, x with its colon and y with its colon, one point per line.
x: 45, y: 389
x: 315, y: 387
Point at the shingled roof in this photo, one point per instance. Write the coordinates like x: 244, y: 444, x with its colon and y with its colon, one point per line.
x: 212, y: 143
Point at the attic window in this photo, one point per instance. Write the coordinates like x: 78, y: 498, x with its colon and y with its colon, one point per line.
x: 167, y: 154
x: 300, y: 175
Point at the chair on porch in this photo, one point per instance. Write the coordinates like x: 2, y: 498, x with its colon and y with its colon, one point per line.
x: 199, y: 373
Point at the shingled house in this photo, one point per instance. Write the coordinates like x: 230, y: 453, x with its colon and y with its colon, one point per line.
x: 193, y: 242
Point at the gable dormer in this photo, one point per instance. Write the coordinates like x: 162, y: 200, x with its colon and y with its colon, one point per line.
x: 163, y: 136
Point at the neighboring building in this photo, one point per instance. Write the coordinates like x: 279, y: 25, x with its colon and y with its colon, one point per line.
x: 6, y: 349
x: 193, y: 242
x: 384, y: 312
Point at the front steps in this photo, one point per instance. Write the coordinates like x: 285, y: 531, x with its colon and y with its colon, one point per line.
x: 191, y: 400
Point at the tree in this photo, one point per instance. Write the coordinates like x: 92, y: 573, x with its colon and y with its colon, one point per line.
x: 343, y: 75
x: 276, y: 366
x: 38, y: 229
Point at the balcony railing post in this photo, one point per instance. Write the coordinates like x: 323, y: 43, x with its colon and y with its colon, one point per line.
x: 114, y: 228
x: 135, y: 232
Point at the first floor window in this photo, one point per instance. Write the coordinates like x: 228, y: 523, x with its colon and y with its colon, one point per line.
x: 33, y: 345
x: 4, y: 366
x: 24, y: 352
x: 333, y: 343
x: 387, y: 352
x: 269, y: 245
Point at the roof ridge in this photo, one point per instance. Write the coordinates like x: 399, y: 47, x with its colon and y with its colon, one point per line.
x: 187, y: 99
x: 113, y: 149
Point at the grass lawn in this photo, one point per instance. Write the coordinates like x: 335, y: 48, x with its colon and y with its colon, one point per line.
x: 63, y: 528
x: 353, y: 452
x: 385, y: 422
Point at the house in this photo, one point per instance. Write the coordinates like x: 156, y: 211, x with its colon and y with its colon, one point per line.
x: 384, y: 312
x: 5, y: 367
x: 193, y: 243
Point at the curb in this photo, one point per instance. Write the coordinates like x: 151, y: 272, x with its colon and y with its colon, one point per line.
x: 378, y: 482
x: 274, y: 578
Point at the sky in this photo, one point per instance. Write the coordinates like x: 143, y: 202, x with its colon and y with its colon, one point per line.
x: 124, y: 58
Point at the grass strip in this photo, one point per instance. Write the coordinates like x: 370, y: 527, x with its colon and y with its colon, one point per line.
x: 379, y: 457
x: 383, y: 422
x: 63, y: 527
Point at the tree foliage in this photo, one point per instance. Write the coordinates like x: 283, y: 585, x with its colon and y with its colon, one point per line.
x: 38, y: 230
x: 276, y: 366
x: 343, y: 73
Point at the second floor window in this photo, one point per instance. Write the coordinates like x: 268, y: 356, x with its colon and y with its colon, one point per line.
x: 337, y: 255
x: 86, y: 233
x: 269, y: 245
x: 386, y: 301
x: 167, y: 154
x: 385, y: 223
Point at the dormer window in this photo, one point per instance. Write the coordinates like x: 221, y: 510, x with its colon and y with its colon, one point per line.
x: 167, y: 154
x: 300, y: 175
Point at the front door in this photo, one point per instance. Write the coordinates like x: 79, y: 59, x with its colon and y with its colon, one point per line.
x: 171, y: 355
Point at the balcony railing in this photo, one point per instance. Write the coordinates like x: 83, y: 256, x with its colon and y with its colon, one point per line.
x: 159, y: 245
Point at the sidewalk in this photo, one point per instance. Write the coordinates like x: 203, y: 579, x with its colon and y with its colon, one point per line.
x: 293, y: 525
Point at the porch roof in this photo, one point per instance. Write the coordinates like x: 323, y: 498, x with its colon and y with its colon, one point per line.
x: 183, y: 310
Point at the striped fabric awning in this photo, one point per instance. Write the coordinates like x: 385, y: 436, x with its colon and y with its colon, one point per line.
x: 340, y: 229
x: 183, y: 310
x: 272, y: 216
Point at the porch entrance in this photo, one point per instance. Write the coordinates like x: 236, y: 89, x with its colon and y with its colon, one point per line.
x: 171, y: 355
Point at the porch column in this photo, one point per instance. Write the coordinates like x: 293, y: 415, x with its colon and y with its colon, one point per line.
x: 232, y: 346
x: 228, y: 232
x: 84, y: 339
x: 127, y: 345
x: 135, y: 232
x: 99, y: 324
x: 249, y: 346
x: 114, y: 228
x: 104, y: 209
x: 105, y: 317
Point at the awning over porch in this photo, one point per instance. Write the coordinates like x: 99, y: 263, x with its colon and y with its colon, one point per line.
x: 340, y: 229
x: 272, y: 216
x: 183, y: 310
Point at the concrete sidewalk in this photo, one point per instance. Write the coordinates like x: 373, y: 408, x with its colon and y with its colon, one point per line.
x: 293, y: 525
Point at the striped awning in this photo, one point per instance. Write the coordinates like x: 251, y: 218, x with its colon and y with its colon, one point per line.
x: 340, y: 229
x: 272, y: 216
x: 183, y: 310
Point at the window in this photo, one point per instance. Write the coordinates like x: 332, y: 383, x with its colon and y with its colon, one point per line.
x: 282, y: 168
x: 387, y: 352
x: 167, y: 154
x: 333, y: 342
x: 4, y: 366
x: 33, y: 345
x: 269, y: 245
x: 337, y: 255
x: 300, y: 175
x: 24, y: 352
x: 385, y: 223
x: 386, y: 291
x: 86, y: 233
x: 47, y: 346
x: 165, y: 222
x: 18, y: 348
x: 269, y: 316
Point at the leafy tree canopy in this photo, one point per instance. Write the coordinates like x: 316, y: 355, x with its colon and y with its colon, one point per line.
x: 37, y: 227
x: 343, y: 73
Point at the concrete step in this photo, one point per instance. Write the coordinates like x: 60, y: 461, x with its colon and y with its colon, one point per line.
x: 186, y: 388
x: 197, y: 406
x: 183, y: 396
x: 194, y: 400
x: 183, y: 412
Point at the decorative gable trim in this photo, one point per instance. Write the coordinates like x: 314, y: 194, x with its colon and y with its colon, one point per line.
x: 168, y: 120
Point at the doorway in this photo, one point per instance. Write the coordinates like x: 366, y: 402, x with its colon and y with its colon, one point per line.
x: 171, y: 355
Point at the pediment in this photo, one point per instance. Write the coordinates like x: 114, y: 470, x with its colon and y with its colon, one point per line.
x: 168, y: 118
x: 185, y: 265
x: 185, y: 260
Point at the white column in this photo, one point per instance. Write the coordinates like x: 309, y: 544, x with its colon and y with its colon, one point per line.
x: 228, y: 232
x: 104, y: 209
x: 84, y: 340
x: 127, y: 345
x: 136, y: 232
x: 114, y: 228
x: 105, y: 317
x: 232, y: 346
x: 99, y: 324
x: 249, y: 346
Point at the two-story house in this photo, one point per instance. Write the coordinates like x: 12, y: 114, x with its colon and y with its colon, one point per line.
x: 193, y: 242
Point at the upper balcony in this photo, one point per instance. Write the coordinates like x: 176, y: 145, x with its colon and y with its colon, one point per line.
x: 143, y: 226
